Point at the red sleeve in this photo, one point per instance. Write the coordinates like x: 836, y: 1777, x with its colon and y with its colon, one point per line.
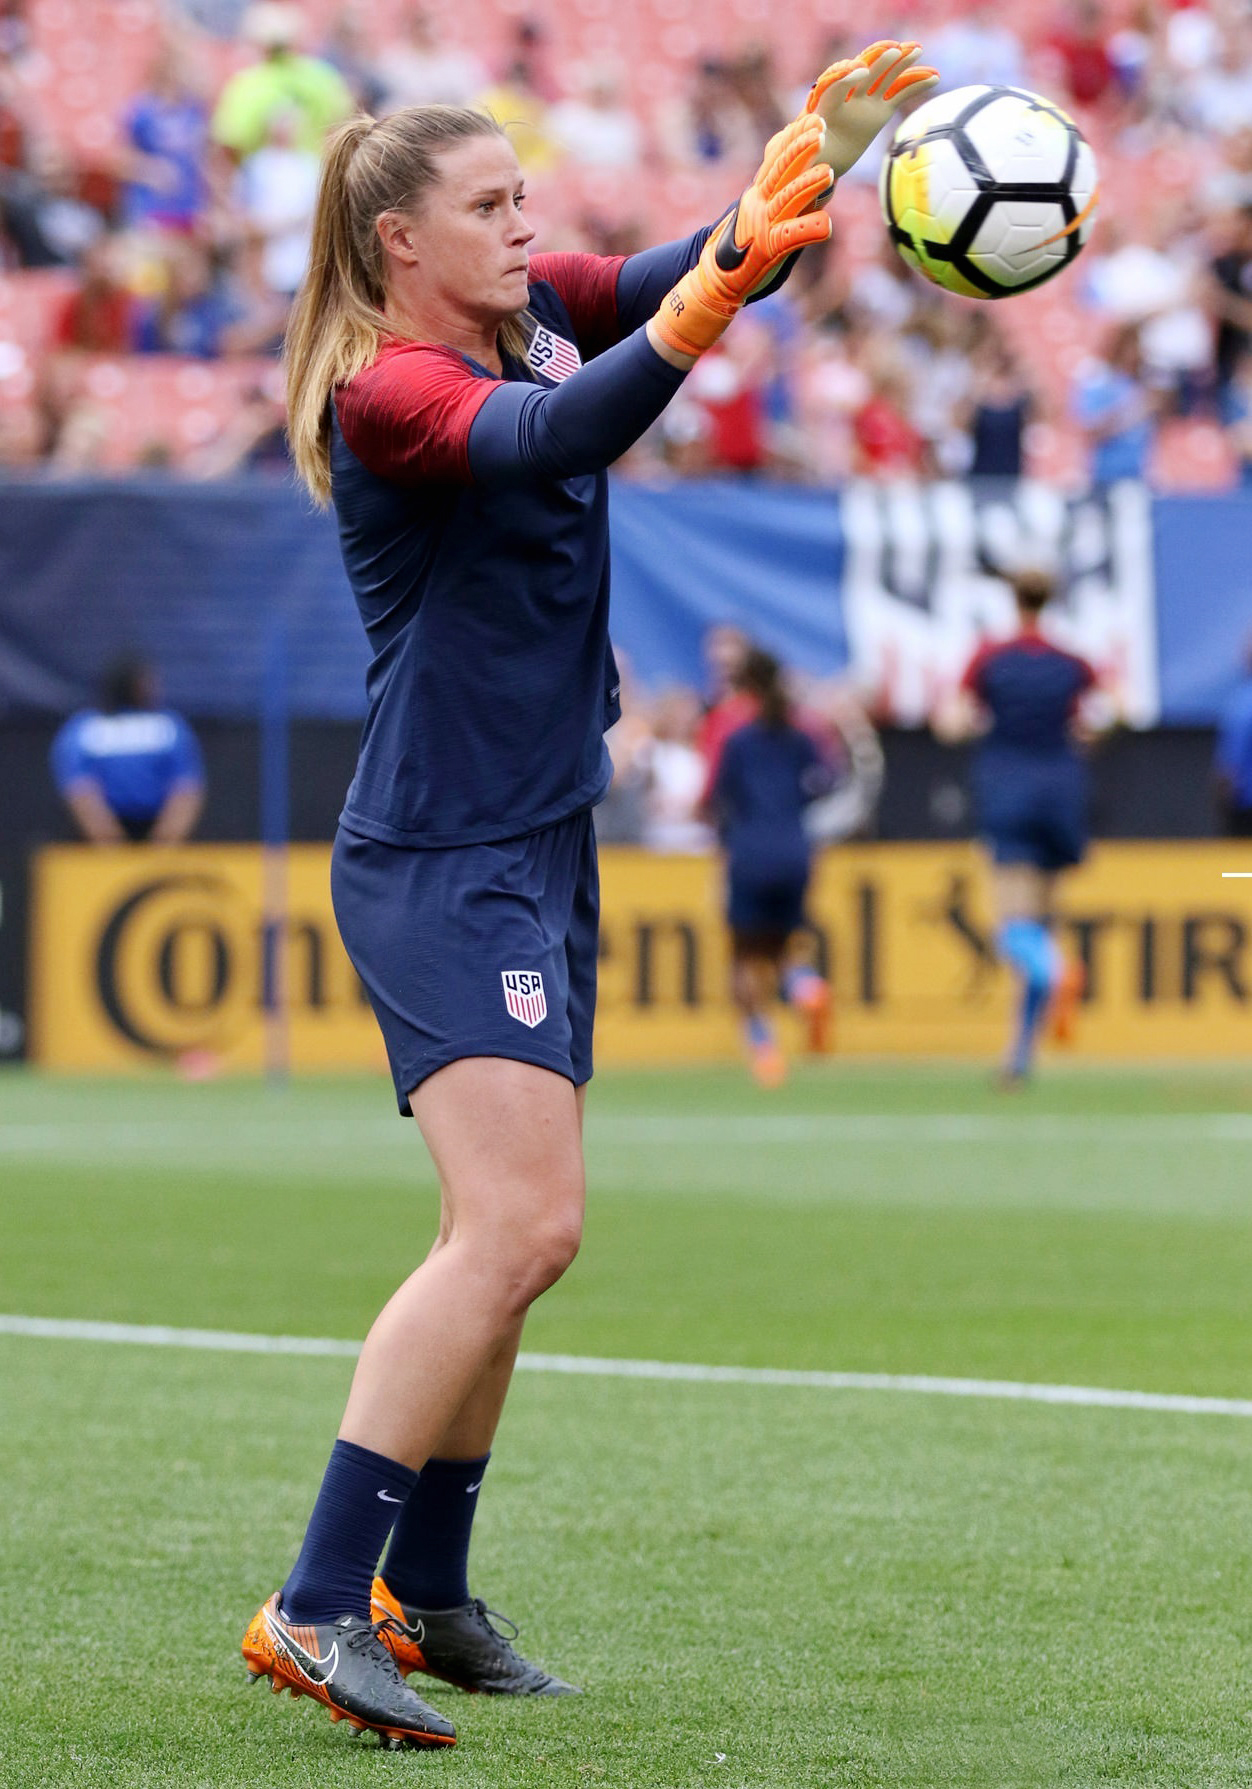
x: 972, y: 680
x: 587, y: 287
x: 407, y: 417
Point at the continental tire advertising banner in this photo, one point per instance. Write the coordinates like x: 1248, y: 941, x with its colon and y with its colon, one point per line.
x: 141, y: 956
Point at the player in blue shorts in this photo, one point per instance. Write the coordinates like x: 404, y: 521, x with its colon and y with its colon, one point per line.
x: 1021, y: 698
x: 769, y: 772
x: 459, y: 401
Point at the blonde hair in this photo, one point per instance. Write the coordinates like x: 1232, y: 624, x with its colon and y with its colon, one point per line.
x: 370, y: 166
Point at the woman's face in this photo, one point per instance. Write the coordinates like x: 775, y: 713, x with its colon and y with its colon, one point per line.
x: 469, y: 232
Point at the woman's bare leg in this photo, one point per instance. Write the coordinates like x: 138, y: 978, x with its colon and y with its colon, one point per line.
x: 471, y: 1431
x: 506, y: 1141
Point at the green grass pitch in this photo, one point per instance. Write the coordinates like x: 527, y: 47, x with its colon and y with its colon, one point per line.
x: 757, y: 1584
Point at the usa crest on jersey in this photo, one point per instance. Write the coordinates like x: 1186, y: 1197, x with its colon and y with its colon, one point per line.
x: 524, y: 995
x: 552, y: 355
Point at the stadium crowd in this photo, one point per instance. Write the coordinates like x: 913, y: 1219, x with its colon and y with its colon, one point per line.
x: 150, y: 250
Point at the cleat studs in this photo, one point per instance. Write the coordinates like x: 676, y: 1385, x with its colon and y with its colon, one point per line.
x: 336, y: 1714
x: 357, y: 1726
x: 276, y: 1686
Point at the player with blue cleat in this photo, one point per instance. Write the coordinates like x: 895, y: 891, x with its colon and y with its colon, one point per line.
x: 1022, y: 698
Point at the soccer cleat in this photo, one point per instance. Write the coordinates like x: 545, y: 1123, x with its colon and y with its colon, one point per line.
x: 345, y: 1665
x: 463, y: 1646
x: 812, y: 998
x: 767, y: 1062
x: 1063, y: 1006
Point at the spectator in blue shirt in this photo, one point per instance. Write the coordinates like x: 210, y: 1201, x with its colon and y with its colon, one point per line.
x: 1116, y: 410
x: 1233, y: 761
x: 130, y: 769
x: 166, y: 133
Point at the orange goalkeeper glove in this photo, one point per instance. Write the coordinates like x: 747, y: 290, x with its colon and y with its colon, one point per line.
x: 763, y: 229
x: 855, y: 99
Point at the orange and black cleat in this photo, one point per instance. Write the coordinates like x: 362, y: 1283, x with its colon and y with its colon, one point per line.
x: 462, y: 1645
x: 1066, y: 999
x: 345, y: 1665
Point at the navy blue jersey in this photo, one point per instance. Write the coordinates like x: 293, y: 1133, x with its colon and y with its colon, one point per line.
x: 765, y: 779
x: 136, y: 758
x: 473, y: 520
x: 1030, y: 689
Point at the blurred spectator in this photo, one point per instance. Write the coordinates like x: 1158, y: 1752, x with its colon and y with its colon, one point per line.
x: 832, y: 388
x: 1115, y: 410
x: 710, y: 125
x: 597, y: 129
x: 883, y: 292
x: 420, y: 69
x: 254, y: 440
x: 1221, y: 92
x: 42, y: 214
x: 1080, y: 46
x: 936, y: 367
x: 130, y: 769
x: 347, y: 51
x: 1233, y: 760
x: 978, y: 49
x: 99, y: 316
x: 726, y: 388
x: 676, y: 776
x: 194, y: 312
x: 277, y: 191
x: 752, y: 82
x: 1238, y: 416
x: 163, y: 163
x: 1156, y: 281
x: 1231, y: 298
x: 282, y: 81
x: 519, y: 101
x: 1000, y: 405
x: 886, y: 442
x: 14, y: 31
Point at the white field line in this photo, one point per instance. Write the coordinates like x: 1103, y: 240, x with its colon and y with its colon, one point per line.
x: 232, y: 1342
x: 697, y: 1129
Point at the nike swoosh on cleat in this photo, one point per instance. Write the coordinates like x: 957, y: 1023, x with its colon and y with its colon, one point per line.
x: 384, y: 1498
x: 316, y: 1670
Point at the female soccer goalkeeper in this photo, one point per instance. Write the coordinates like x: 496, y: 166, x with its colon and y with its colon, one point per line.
x: 459, y: 401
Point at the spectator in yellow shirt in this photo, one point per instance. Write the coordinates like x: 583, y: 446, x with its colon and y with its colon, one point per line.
x: 283, y: 81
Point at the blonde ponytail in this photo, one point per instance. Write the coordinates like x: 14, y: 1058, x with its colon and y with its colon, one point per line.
x: 337, y: 322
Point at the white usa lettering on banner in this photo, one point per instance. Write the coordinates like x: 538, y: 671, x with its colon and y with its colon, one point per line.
x: 921, y: 591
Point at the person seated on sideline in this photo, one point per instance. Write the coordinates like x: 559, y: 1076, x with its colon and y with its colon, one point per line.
x: 130, y: 769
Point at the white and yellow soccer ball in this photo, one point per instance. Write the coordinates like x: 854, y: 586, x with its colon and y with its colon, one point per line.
x: 989, y: 191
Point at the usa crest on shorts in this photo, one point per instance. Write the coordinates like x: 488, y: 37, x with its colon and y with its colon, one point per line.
x: 524, y: 995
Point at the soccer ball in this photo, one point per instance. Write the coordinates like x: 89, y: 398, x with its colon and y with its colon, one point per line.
x: 989, y: 190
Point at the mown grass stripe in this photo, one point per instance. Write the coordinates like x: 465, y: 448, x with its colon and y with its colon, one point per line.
x: 1150, y: 1129
x: 236, y: 1342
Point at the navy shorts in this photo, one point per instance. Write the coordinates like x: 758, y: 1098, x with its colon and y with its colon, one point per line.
x: 1034, y: 814
x: 765, y: 907
x: 481, y: 950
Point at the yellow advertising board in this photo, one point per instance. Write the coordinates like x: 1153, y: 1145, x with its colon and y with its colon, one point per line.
x: 142, y: 954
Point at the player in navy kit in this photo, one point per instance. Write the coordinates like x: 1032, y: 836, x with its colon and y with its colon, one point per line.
x: 769, y: 771
x: 1023, y: 695
x: 459, y: 400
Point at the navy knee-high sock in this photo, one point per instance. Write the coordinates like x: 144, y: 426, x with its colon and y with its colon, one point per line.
x: 427, y: 1564
x: 361, y: 1496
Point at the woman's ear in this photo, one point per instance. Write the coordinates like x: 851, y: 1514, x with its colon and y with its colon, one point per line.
x: 396, y: 232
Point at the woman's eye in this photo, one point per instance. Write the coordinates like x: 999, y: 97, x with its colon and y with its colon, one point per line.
x: 519, y: 199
